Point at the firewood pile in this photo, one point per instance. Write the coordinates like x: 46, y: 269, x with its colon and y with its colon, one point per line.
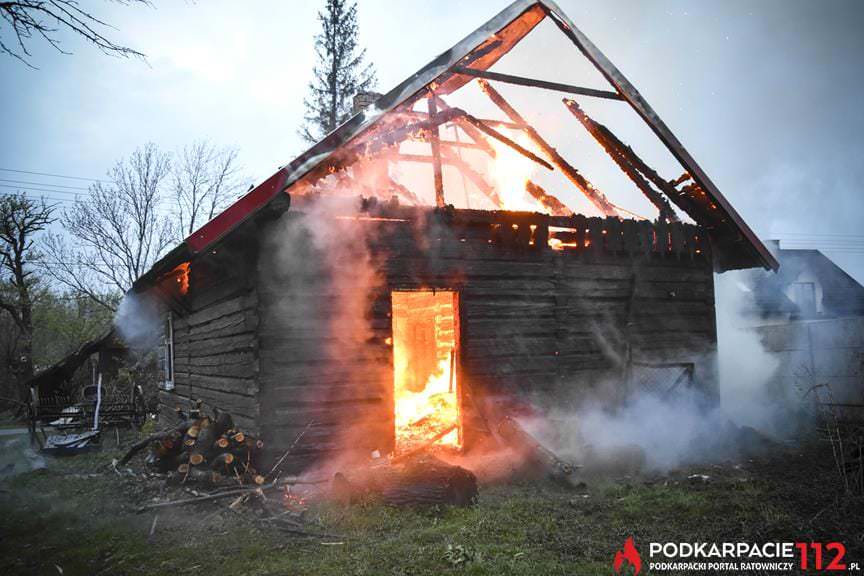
x: 204, y: 450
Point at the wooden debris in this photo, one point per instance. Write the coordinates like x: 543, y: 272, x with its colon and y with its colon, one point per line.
x: 152, y: 528
x: 524, y: 443
x: 167, y: 439
x: 245, y: 490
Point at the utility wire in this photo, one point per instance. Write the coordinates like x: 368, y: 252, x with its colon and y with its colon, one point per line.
x: 45, y: 184
x: 43, y: 196
x: 55, y: 175
x: 75, y: 194
x: 817, y: 234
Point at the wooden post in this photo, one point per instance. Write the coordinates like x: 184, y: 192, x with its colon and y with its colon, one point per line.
x: 435, y: 140
x: 588, y: 189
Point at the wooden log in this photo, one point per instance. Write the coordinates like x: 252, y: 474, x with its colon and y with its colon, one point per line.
x: 224, y: 463
x: 207, y: 438
x: 421, y: 482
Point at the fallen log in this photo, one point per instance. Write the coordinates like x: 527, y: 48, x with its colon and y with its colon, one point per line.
x: 420, y: 482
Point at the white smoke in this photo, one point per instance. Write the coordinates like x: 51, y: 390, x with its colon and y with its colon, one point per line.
x: 688, y: 426
x: 138, y: 321
x: 745, y: 367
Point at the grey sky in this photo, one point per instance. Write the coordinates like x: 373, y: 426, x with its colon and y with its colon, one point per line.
x: 766, y: 95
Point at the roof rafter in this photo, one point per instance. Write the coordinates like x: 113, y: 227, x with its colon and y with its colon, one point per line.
x: 737, y: 245
x: 521, y: 81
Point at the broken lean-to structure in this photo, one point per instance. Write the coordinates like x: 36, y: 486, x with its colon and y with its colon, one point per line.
x: 436, y: 262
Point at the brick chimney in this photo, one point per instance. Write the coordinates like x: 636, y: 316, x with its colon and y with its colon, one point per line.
x: 363, y: 100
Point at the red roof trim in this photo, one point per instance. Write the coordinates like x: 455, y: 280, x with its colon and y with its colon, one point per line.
x: 232, y: 216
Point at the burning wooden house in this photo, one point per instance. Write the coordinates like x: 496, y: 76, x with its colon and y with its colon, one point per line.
x: 391, y: 285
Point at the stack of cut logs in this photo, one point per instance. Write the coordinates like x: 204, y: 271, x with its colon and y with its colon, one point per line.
x: 204, y: 450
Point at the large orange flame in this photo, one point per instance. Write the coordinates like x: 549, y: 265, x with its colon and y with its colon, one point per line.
x: 425, y: 392
x: 510, y: 170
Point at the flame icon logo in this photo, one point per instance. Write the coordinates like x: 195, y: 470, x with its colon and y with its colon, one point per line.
x: 629, y: 555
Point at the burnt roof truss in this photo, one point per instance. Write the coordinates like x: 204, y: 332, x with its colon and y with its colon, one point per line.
x: 393, y: 120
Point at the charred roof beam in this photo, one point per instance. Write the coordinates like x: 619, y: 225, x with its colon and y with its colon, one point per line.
x: 628, y: 162
x: 532, y: 83
x: 593, y: 194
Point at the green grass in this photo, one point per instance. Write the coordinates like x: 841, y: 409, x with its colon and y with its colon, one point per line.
x: 86, y: 524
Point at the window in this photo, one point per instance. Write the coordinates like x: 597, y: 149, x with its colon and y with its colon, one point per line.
x: 168, y: 353
x: 804, y: 295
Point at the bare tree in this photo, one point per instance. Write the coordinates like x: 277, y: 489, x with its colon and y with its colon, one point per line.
x: 206, y: 179
x: 340, y: 71
x: 44, y: 18
x: 118, y: 229
x: 21, y: 218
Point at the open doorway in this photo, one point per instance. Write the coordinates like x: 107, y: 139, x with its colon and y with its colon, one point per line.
x: 425, y: 361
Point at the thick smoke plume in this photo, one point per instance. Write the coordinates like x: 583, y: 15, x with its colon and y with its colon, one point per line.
x: 689, y: 425
x: 319, y: 279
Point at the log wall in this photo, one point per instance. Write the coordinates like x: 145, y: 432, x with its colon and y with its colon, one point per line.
x: 536, y: 323
x: 216, y: 342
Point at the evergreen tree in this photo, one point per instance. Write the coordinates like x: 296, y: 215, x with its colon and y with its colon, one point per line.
x: 340, y: 71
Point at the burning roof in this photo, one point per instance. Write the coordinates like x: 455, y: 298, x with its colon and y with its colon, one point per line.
x: 393, y: 119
